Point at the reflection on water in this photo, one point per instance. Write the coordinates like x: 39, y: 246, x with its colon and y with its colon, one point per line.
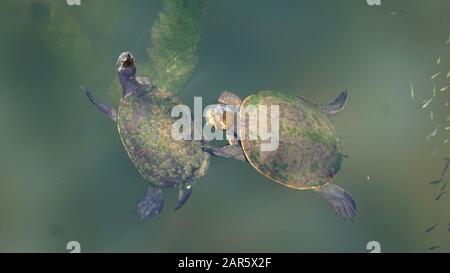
x: 65, y: 176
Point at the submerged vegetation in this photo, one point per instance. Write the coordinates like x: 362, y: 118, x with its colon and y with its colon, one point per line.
x: 174, y: 43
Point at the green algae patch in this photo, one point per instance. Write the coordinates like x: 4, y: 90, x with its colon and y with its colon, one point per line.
x: 175, y: 38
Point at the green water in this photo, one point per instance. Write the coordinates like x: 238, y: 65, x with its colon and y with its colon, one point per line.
x: 65, y: 176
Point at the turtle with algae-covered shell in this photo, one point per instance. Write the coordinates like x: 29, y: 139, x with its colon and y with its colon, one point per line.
x: 308, y: 155
x: 144, y: 123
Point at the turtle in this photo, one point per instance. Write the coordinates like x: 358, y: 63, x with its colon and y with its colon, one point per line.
x: 309, y: 152
x: 144, y: 124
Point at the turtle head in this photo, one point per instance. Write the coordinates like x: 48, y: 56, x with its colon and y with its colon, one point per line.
x: 125, y: 65
x: 126, y: 69
x: 220, y: 117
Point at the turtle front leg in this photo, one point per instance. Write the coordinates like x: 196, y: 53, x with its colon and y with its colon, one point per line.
x: 343, y: 203
x: 108, y: 110
x: 151, y: 204
x: 229, y: 151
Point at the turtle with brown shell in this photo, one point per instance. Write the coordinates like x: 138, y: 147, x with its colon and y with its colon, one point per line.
x: 309, y: 153
x: 144, y: 122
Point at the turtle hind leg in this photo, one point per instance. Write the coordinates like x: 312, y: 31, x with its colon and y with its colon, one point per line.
x: 337, y: 105
x: 103, y: 107
x: 343, y: 203
x: 183, y: 195
x: 151, y: 204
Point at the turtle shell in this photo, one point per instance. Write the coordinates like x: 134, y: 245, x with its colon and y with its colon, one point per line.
x: 308, y: 154
x: 144, y: 122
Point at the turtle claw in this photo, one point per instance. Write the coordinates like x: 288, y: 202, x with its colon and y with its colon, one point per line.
x: 151, y: 204
x: 183, y: 195
x: 345, y: 212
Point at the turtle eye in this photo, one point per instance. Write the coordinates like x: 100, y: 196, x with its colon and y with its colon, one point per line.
x: 227, y: 119
x: 224, y: 117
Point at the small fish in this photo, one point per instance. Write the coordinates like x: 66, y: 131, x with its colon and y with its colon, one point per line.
x: 438, y: 60
x: 446, y: 104
x: 445, y: 88
x: 431, y: 115
x: 447, y: 163
x: 428, y: 230
x: 435, y: 149
x: 446, y: 140
x: 427, y: 103
x: 395, y: 12
x: 444, y: 186
x: 448, y: 41
x: 448, y: 74
x: 368, y: 178
x: 440, y: 195
x: 412, y: 90
x: 432, y: 134
x: 433, y: 247
x: 436, y: 182
x: 436, y: 75
x: 447, y: 128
